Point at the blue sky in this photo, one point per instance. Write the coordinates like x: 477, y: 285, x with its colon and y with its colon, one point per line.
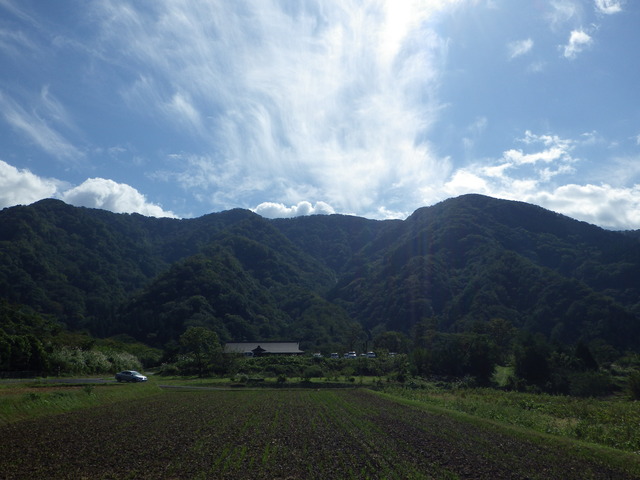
x: 372, y: 108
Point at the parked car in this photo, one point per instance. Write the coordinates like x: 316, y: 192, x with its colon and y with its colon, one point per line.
x: 130, y: 376
x: 371, y: 354
x: 351, y: 355
x: 334, y: 355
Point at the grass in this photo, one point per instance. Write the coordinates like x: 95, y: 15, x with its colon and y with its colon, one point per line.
x: 272, y: 382
x: 612, y: 422
x: 34, y: 399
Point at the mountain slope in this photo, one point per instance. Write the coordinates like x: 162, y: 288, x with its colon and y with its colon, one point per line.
x: 456, y: 265
x: 473, y: 258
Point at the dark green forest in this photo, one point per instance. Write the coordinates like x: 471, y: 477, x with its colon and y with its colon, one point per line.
x: 461, y: 286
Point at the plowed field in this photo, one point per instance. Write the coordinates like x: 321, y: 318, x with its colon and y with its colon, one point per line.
x: 275, y: 434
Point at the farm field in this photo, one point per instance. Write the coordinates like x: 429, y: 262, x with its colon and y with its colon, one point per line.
x: 284, y: 434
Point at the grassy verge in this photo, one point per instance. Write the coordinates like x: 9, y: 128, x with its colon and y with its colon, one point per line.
x: 27, y: 400
x: 537, y: 418
x: 272, y: 382
x: 612, y: 422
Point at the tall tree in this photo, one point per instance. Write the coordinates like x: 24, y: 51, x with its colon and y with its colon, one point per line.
x: 203, y: 347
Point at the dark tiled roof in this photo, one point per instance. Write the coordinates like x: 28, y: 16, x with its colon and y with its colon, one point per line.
x: 268, y: 347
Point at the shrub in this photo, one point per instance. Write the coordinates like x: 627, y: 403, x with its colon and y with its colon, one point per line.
x: 633, y: 385
x: 77, y: 361
x: 313, y: 371
x: 589, y: 384
x: 169, y: 369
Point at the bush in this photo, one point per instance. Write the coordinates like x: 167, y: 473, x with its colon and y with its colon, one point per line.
x: 313, y: 371
x: 169, y: 369
x: 589, y: 384
x: 633, y: 386
x: 65, y: 360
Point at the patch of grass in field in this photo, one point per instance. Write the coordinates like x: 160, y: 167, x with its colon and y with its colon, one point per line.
x: 612, y: 422
x: 21, y: 401
x: 241, y: 380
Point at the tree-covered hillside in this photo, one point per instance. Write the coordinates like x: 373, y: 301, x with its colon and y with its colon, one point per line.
x: 326, y: 281
x: 474, y: 258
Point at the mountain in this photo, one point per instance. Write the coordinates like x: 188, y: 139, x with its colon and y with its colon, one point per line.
x: 470, y: 259
x: 324, y: 280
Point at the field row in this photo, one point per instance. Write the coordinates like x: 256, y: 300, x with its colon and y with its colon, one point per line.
x: 276, y: 434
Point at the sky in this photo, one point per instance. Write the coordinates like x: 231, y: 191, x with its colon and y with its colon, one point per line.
x: 287, y: 107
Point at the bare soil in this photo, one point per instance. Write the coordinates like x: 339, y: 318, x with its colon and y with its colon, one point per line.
x: 286, y: 434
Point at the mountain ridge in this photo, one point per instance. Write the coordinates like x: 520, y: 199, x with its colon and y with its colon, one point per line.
x: 324, y: 279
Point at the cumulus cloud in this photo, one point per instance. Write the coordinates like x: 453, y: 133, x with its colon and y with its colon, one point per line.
x: 578, y: 41
x: 329, y: 98
x: 519, y: 48
x: 112, y: 196
x: 609, y: 207
x: 608, y: 7
x: 279, y: 210
x: 21, y: 187
x: 530, y: 174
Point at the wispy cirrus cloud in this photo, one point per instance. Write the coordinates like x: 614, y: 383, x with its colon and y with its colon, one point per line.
x: 328, y: 99
x: 519, y: 48
x: 562, y: 11
x: 15, y: 43
x: 41, y: 123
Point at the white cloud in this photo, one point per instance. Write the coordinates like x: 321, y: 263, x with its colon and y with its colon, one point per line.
x: 289, y: 98
x: 603, y: 205
x: 563, y: 11
x: 608, y: 7
x: 622, y: 170
x: 467, y: 180
x: 578, y: 41
x: 519, y: 48
x: 183, y: 109
x: 112, y: 196
x: 278, y: 210
x: 531, y: 177
x: 21, y: 187
x: 15, y: 43
x: 39, y: 126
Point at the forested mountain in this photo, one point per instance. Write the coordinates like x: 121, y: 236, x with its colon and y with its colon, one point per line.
x: 471, y: 259
x: 458, y: 266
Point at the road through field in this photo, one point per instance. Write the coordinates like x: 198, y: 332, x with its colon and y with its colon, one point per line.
x: 275, y: 434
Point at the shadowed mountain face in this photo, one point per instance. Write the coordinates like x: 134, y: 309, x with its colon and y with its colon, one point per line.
x: 322, y: 280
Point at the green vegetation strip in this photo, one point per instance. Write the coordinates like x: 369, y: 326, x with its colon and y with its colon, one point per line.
x: 612, y: 422
x: 259, y: 434
x: 29, y: 400
x: 486, y: 409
